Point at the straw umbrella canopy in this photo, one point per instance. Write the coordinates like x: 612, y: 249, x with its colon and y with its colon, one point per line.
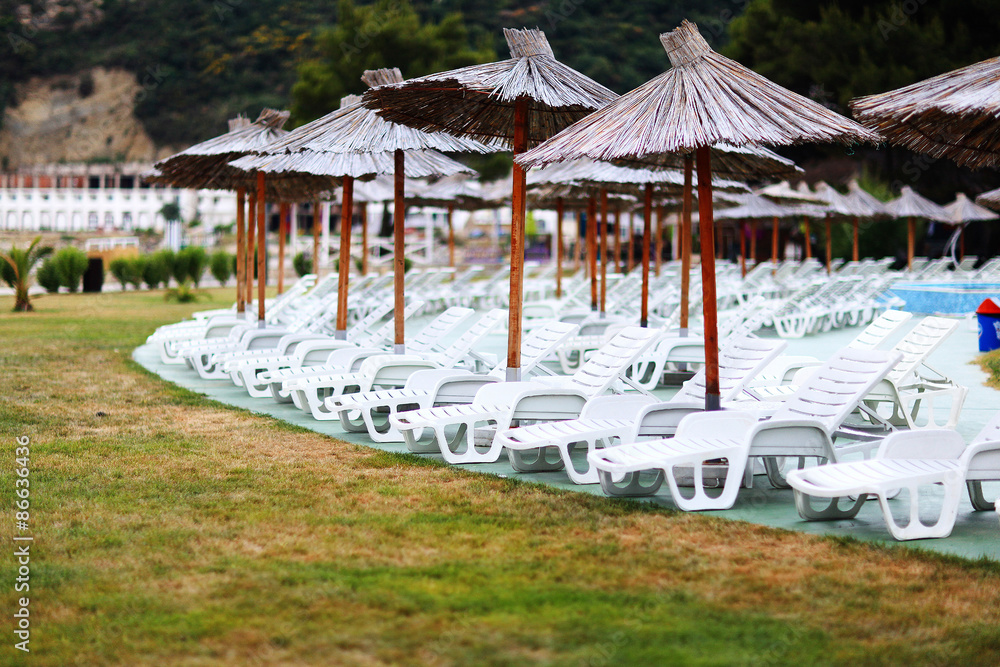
x: 954, y: 115
x: 910, y: 205
x: 757, y: 207
x: 783, y: 193
x: 354, y: 139
x: 990, y: 199
x: 206, y: 166
x: 519, y: 102
x: 450, y: 192
x: 963, y: 211
x: 705, y: 99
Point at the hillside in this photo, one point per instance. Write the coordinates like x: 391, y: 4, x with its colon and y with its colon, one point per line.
x: 199, y: 63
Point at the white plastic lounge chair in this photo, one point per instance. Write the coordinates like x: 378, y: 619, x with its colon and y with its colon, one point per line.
x: 606, y: 421
x: 244, y: 370
x: 539, y: 399
x: 306, y: 386
x: 392, y: 370
x: 906, y: 460
x: 315, y: 357
x: 429, y: 388
x: 802, y: 427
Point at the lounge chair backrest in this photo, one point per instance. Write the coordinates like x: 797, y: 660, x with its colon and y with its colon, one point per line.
x: 990, y: 432
x: 362, y: 329
x: 541, y: 341
x: 919, y: 343
x: 439, y: 328
x: 740, y: 360
x: 473, y: 336
x: 607, y: 363
x: 982, y: 458
x: 831, y: 393
x: 385, y: 333
x: 880, y: 329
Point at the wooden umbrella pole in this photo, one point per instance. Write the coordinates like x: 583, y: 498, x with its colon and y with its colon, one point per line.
x: 647, y: 225
x: 317, y: 208
x: 753, y: 241
x: 829, y: 247
x: 592, y: 249
x: 251, y: 245
x: 910, y: 234
x: 630, y: 244
x: 344, y: 268
x: 364, y: 239
x: 398, y: 264
x: 283, y: 211
x: 261, y: 247
x: 961, y: 243
x: 581, y: 242
x: 659, y: 239
x: 559, y: 246
x: 743, y: 248
x: 241, y: 251
x: 805, y: 230
x: 774, y: 243
x: 618, y: 239
x: 451, y: 237
x: 707, y: 225
x: 684, y: 238
x: 854, y: 252
x: 604, y: 250
x: 517, y: 242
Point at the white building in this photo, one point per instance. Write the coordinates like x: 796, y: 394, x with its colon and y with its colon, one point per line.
x: 73, y: 198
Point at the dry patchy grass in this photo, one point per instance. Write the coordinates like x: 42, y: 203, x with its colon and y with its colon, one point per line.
x: 174, y: 531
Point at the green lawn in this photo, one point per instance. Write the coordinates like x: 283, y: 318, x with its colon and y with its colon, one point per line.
x: 171, y: 530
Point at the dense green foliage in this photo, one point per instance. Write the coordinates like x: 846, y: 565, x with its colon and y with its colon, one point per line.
x: 71, y: 263
x: 48, y: 276
x: 302, y: 264
x: 190, y: 264
x: 157, y: 268
x: 221, y: 265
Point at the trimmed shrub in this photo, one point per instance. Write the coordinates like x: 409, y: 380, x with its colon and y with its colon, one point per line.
x: 135, y: 271
x: 222, y: 266
x: 181, y: 266
x: 119, y: 268
x: 197, y: 260
x: 302, y: 264
x: 156, y: 269
x: 48, y: 276
x: 71, y: 263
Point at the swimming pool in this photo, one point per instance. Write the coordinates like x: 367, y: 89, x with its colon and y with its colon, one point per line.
x: 944, y: 298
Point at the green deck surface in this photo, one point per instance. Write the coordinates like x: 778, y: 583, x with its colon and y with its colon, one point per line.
x: 976, y: 534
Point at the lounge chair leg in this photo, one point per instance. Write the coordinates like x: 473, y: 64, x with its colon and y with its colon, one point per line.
x: 413, y: 444
x: 630, y: 485
x: 832, y: 512
x: 979, y: 502
x: 539, y: 462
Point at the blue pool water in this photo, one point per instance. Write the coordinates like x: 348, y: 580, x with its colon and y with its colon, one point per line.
x: 944, y: 298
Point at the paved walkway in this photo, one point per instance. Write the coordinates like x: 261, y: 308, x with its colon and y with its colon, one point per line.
x: 976, y: 534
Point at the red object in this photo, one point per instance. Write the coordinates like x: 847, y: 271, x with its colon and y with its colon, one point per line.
x: 990, y: 306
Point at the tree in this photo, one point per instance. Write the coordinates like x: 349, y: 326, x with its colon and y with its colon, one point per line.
x: 16, y: 271
x: 71, y: 263
x: 386, y: 34
x: 171, y: 211
x: 221, y: 266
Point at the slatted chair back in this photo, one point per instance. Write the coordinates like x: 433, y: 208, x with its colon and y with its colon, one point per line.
x: 740, y: 360
x: 831, y: 393
x: 431, y: 335
x: 880, y: 329
x: 919, y: 344
x: 472, y: 337
x: 607, y: 363
x: 384, y: 334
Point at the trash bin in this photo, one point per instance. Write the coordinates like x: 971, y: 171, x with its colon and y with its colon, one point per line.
x: 988, y: 314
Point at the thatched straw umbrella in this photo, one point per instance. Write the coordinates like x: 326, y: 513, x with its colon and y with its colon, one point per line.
x: 450, y: 192
x: 910, y: 205
x: 961, y: 212
x: 783, y: 193
x: 206, y: 166
x: 954, y: 115
x: 755, y: 207
x: 704, y: 100
x: 365, y: 142
x: 990, y: 199
x: 520, y: 101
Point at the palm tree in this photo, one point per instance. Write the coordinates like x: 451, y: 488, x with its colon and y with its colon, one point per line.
x: 16, y: 271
